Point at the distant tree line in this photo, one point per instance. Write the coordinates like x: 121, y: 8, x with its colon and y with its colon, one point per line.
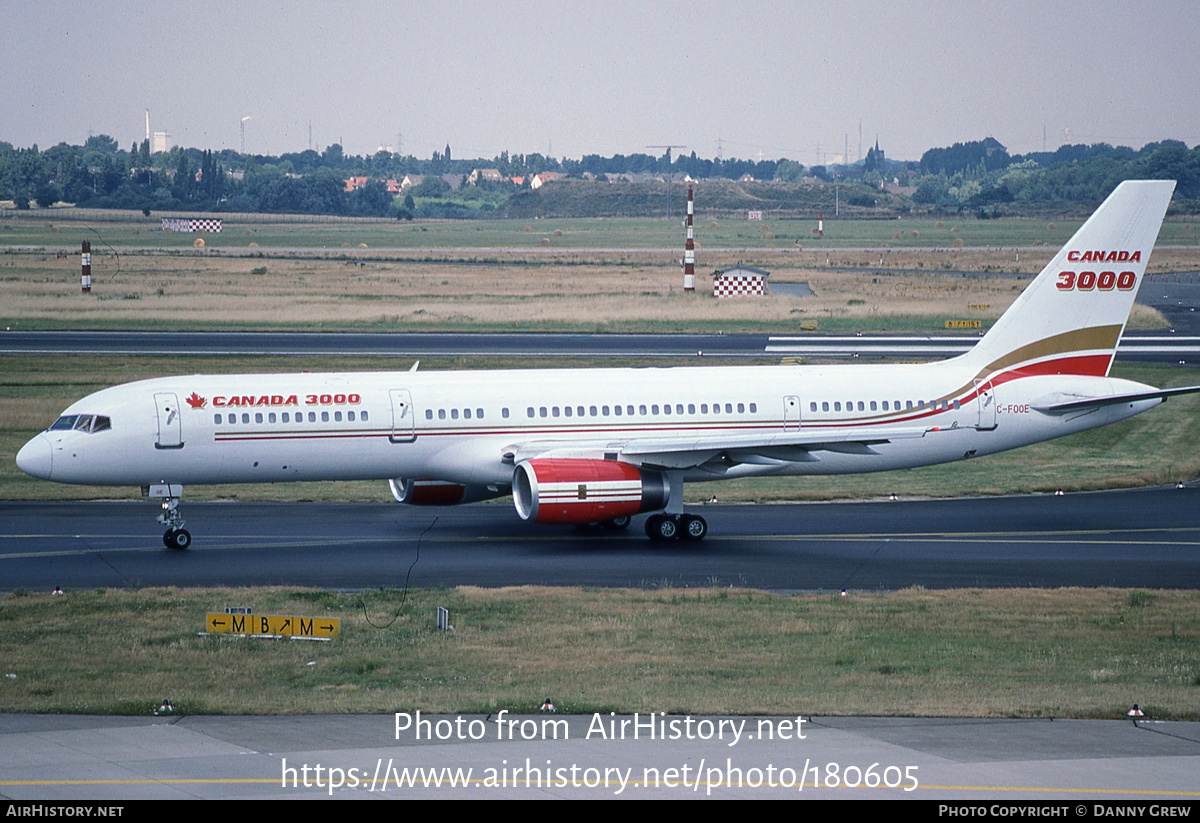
x: 979, y: 176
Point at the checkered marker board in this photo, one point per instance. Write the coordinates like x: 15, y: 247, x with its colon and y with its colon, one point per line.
x: 737, y: 285
x: 209, y: 225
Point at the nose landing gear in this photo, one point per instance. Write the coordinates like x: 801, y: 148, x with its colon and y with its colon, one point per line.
x: 176, y: 536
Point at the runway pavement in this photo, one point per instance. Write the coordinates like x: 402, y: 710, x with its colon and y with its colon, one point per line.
x: 1140, y: 538
x: 1013, y: 763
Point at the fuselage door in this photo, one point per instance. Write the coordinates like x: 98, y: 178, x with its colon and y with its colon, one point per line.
x: 791, y: 413
x: 404, y: 419
x: 985, y: 399
x: 170, y: 425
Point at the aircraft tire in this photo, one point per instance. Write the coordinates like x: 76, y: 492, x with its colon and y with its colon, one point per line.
x: 177, y: 539
x: 662, y: 527
x: 618, y: 523
x: 693, y: 527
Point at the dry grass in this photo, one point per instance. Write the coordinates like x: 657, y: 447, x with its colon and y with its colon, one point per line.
x: 563, y: 291
x: 981, y: 653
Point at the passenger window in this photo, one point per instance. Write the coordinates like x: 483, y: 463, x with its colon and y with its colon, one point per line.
x: 529, y: 411
x: 729, y: 408
x: 504, y: 412
x: 554, y: 411
x: 287, y: 418
x: 861, y: 407
x: 349, y: 416
x: 271, y: 417
x: 217, y: 419
x: 824, y: 405
x: 741, y: 408
x: 337, y: 417
x: 441, y: 414
x: 604, y: 410
x: 812, y: 406
x: 364, y: 415
x: 617, y: 411
x: 704, y: 408
x: 753, y: 407
x: 837, y: 405
x: 479, y: 414
x: 454, y: 414
x: 667, y: 408
x: 567, y: 411
x: 592, y: 411
x: 246, y: 417
x: 542, y: 411
x: 324, y: 417
x: 642, y: 408
x: 429, y: 414
x: 654, y: 408
x: 312, y: 417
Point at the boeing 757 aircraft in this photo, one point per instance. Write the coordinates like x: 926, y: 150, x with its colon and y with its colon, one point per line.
x: 601, y: 445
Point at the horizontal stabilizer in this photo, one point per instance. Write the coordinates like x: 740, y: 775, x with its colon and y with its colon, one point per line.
x: 1113, y: 400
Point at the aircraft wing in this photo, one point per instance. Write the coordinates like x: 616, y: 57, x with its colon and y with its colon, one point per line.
x: 669, y: 452
x: 1112, y: 400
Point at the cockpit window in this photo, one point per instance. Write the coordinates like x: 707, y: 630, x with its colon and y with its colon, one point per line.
x: 82, y: 422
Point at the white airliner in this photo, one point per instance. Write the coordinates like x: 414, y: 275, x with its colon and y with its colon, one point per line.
x: 597, y: 446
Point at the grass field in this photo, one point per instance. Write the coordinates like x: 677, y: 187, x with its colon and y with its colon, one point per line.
x: 975, y: 653
x: 65, y: 227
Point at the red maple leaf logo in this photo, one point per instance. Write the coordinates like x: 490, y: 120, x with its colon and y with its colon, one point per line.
x: 196, y: 401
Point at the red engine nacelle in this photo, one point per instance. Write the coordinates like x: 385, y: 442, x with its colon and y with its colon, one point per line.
x: 439, y: 492
x: 565, y: 490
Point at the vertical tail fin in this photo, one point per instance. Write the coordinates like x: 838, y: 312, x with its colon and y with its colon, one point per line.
x: 1070, y: 318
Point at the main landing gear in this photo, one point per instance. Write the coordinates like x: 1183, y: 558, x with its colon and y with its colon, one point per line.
x: 176, y: 536
x: 676, y: 526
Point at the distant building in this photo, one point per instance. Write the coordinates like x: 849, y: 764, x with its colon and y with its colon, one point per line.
x: 739, y: 281
x: 487, y: 175
x: 542, y: 179
x: 356, y: 183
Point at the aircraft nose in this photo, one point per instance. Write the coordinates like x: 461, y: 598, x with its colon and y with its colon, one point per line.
x: 35, y: 458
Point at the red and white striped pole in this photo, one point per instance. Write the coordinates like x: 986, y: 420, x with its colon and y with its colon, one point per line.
x: 86, y: 259
x: 689, y: 251
x: 820, y: 225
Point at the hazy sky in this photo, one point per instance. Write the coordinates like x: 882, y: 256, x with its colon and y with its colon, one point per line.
x: 574, y: 78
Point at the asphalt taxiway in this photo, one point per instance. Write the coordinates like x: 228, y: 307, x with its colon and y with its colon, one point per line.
x: 1144, y: 538
x: 806, y: 756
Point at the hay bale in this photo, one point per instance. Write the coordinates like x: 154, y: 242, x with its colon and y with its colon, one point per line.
x: 895, y: 235
x: 198, y: 242
x: 253, y: 246
x: 247, y: 232
x: 1051, y: 227
x: 345, y: 245
x: 362, y: 245
x: 769, y: 236
x: 916, y: 233
x: 939, y: 224
x: 528, y: 229
x: 712, y: 224
x: 545, y: 241
x: 956, y: 230
x: 558, y: 232
x: 958, y: 244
